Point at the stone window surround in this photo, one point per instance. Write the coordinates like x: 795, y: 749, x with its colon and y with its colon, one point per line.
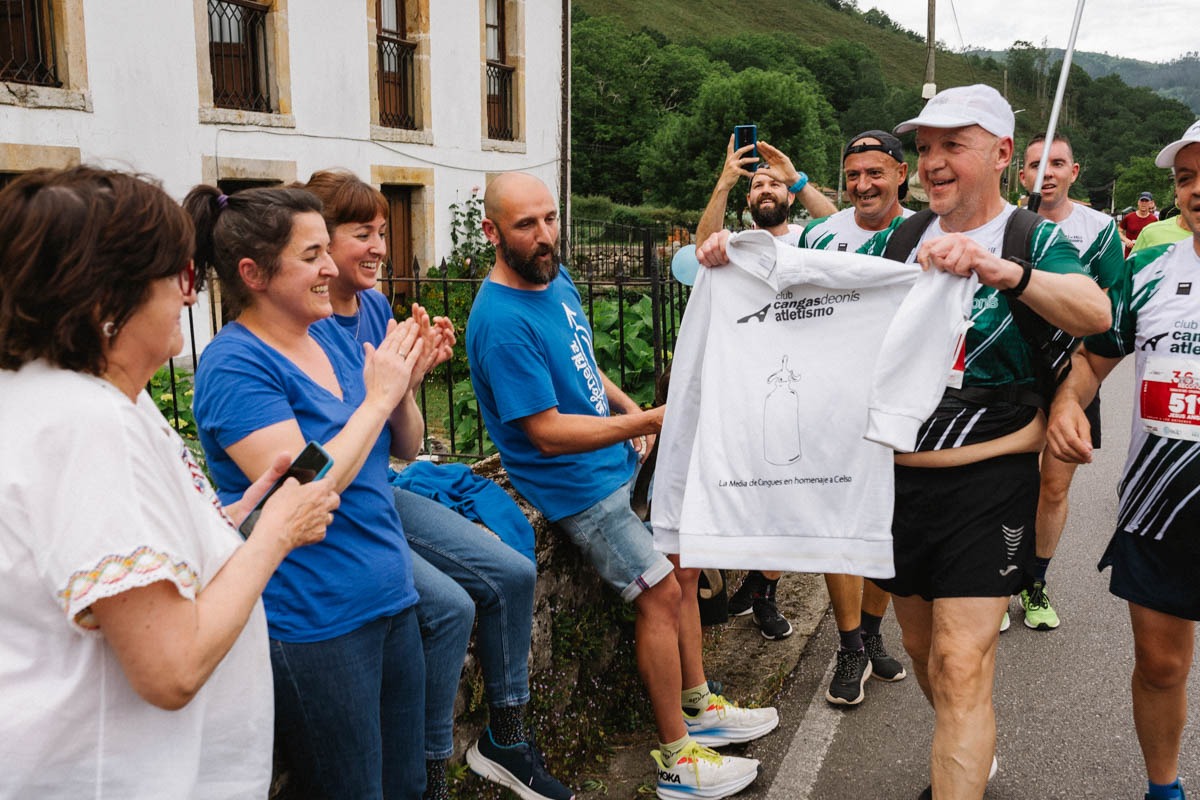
x: 279, y: 72
x: 70, y: 58
x: 417, y: 30
x: 514, y: 45
x: 420, y: 179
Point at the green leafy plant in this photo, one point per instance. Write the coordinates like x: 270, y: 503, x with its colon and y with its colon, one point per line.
x: 175, y: 401
x: 471, y: 254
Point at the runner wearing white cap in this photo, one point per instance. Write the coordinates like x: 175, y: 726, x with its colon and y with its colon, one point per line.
x: 965, y: 501
x: 1155, y: 551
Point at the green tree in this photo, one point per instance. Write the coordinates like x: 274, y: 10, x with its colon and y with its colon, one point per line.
x: 1140, y: 175
x: 622, y: 86
x: 683, y: 158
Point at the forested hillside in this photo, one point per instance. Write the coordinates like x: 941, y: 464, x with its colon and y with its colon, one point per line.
x: 1178, y: 79
x: 658, y: 85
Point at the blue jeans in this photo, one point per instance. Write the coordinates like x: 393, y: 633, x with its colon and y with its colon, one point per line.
x: 349, y: 711
x: 461, y: 571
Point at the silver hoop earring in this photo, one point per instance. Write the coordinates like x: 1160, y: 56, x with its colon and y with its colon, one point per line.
x: 109, y: 329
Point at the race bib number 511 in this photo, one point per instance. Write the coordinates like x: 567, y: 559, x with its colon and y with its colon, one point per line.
x: 1171, y: 398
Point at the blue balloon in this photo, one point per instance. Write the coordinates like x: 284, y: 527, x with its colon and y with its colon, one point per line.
x: 684, y: 265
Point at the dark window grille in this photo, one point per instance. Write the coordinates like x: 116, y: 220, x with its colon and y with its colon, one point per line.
x: 238, y: 51
x: 397, y: 78
x: 500, y: 101
x: 499, y: 74
x: 27, y: 42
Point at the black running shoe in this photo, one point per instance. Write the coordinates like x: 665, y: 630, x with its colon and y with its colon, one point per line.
x: 742, y: 602
x: 883, y: 666
x: 519, y: 767
x: 771, y: 623
x: 851, y: 672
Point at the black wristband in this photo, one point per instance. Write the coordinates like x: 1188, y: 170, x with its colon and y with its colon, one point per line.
x: 1026, y: 271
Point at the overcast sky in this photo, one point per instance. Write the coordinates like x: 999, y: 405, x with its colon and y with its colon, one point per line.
x: 1154, y: 31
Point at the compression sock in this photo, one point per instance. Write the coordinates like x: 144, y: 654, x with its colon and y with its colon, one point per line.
x: 851, y: 640
x: 435, y: 780
x: 768, y: 589
x: 671, y: 751
x: 870, y: 624
x: 1037, y: 570
x: 507, y: 724
x: 1165, y: 791
x: 695, y: 699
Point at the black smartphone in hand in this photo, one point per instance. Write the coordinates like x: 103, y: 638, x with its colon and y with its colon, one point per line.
x: 312, y: 464
x: 744, y: 135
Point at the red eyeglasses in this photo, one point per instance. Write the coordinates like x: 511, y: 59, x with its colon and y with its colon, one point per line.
x: 187, y: 278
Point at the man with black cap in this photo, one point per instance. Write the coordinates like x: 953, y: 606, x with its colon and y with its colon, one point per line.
x: 876, y: 180
x: 966, y: 499
x: 1132, y: 224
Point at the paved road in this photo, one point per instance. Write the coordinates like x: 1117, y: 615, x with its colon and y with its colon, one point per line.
x: 1062, y: 698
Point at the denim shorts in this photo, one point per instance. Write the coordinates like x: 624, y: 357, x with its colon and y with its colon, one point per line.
x: 618, y: 544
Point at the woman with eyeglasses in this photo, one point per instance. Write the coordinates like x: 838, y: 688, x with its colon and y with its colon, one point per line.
x: 345, y: 641
x: 134, y: 658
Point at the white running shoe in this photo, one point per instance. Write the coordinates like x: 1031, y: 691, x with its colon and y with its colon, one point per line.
x: 725, y: 723
x: 704, y: 773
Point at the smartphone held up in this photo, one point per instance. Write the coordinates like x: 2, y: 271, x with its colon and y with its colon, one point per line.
x: 746, y: 135
x: 312, y: 464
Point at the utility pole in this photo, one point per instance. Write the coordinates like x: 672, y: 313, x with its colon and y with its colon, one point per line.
x: 930, y: 87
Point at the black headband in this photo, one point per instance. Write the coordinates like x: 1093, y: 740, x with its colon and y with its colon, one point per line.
x: 888, y: 144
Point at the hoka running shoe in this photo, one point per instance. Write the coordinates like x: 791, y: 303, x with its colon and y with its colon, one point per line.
x: 725, y: 723
x: 704, y: 773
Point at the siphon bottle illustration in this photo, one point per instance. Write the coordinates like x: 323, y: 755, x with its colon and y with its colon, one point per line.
x: 781, y: 418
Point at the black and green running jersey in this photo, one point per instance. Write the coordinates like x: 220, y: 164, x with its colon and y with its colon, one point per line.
x: 1156, y: 316
x: 996, y: 353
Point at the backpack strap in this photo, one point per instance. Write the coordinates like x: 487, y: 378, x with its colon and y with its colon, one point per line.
x: 904, y: 239
x: 1050, y: 347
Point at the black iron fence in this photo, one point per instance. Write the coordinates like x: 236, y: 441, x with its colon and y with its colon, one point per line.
x: 634, y: 306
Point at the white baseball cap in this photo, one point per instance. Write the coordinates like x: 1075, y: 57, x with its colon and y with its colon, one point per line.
x: 1166, y: 156
x: 965, y: 105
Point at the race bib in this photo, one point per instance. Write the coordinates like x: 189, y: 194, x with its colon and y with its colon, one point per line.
x: 1170, y: 400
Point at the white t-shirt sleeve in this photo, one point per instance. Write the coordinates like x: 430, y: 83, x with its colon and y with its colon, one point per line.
x: 111, y: 518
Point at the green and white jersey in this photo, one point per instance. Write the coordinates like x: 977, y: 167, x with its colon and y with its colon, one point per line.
x: 996, y: 353
x: 840, y: 232
x: 1094, y: 235
x: 1156, y: 316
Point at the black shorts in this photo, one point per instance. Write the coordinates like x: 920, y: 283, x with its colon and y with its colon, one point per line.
x: 964, y: 531
x: 1092, y: 412
x: 1159, y: 574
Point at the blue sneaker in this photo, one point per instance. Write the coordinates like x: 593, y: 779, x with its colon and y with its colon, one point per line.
x: 519, y: 768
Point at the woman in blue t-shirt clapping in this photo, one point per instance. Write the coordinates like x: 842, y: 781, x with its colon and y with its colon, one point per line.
x: 345, y: 642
